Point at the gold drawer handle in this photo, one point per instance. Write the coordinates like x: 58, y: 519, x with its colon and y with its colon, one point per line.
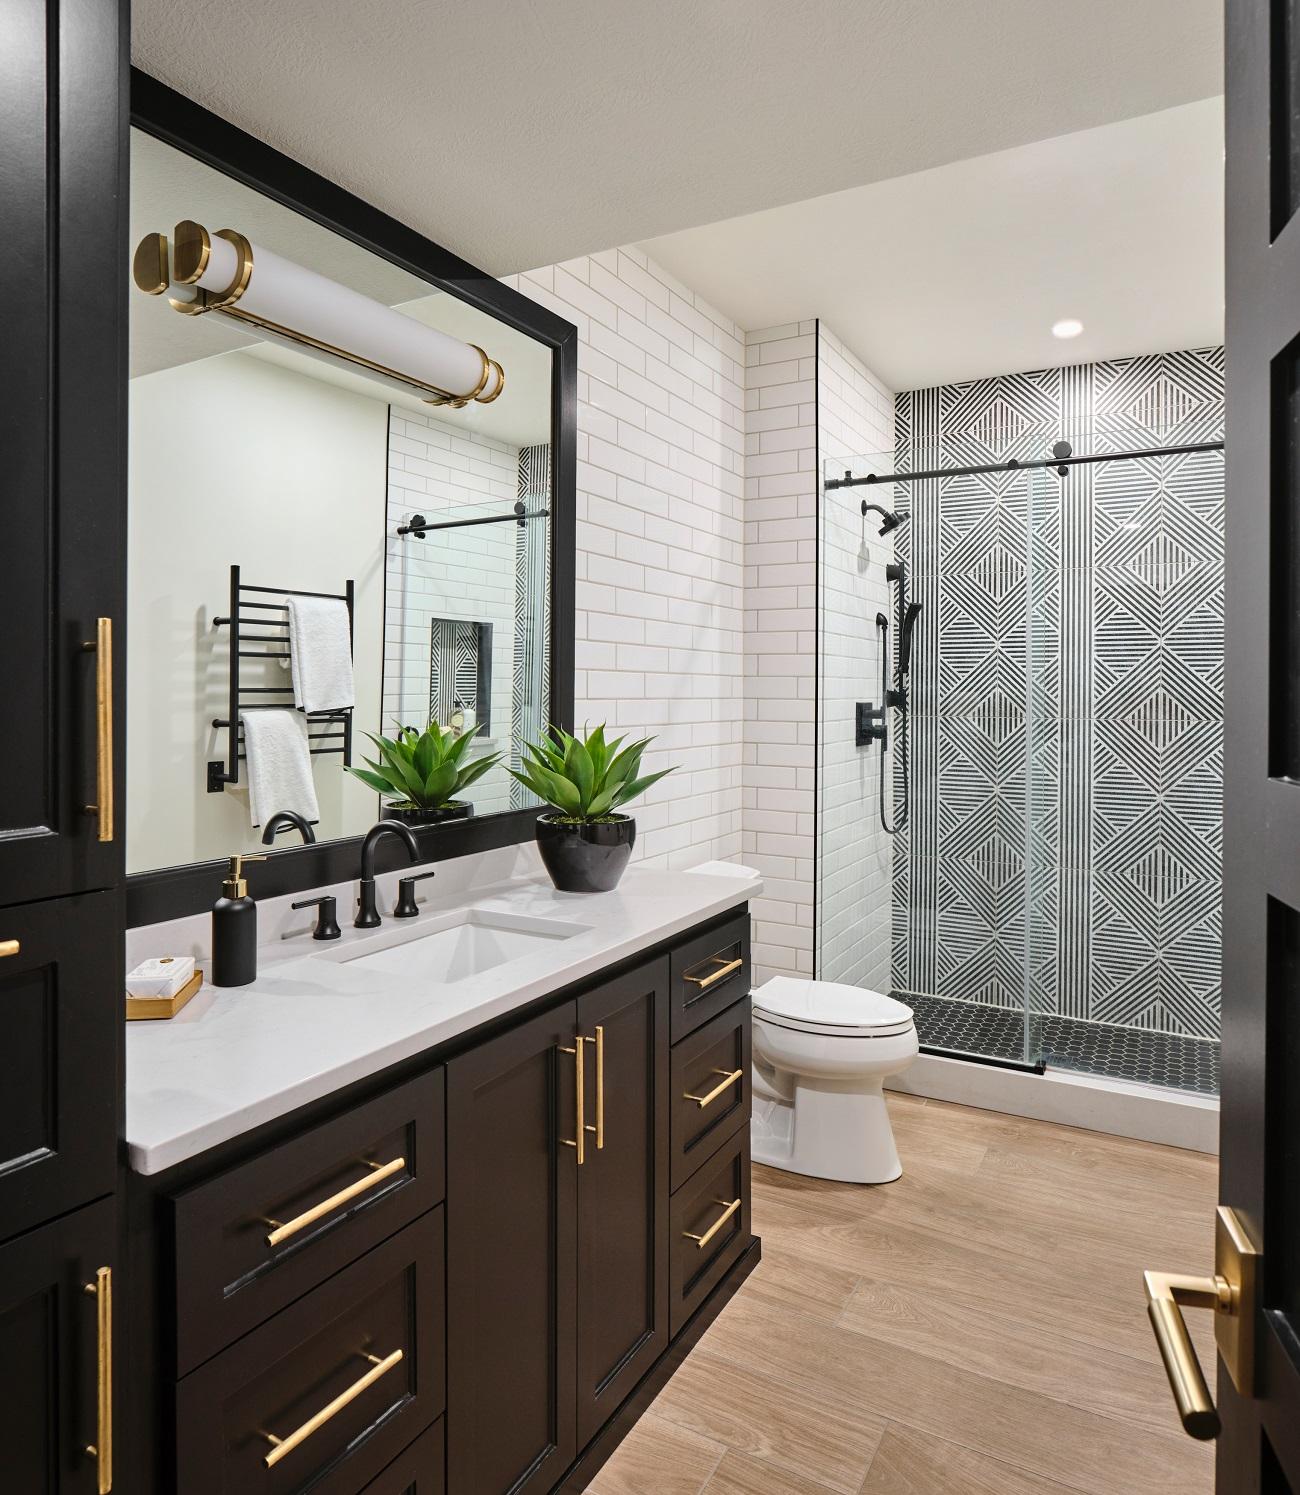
x: 730, y: 1078
x: 599, y: 1128
x: 704, y: 982
x: 101, y: 1450
x: 309, y: 1217
x: 702, y: 1241
x: 101, y: 646
x: 9, y: 947
x: 299, y: 1435
x: 580, y: 1081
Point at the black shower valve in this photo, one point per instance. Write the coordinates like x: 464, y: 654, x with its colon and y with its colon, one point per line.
x: 870, y: 725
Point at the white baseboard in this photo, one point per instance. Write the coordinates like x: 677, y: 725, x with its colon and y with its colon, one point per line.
x: 1177, y: 1118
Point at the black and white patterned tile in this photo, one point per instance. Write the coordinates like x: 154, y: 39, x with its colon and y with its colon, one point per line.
x: 1068, y: 697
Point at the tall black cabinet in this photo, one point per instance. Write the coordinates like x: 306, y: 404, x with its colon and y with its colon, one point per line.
x: 63, y: 139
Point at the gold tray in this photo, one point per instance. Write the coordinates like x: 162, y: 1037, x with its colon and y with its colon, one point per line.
x: 155, y: 1007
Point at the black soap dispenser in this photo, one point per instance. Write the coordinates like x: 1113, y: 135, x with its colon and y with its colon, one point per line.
x: 234, y: 929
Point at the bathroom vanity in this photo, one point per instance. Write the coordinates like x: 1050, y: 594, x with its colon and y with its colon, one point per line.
x: 439, y: 1205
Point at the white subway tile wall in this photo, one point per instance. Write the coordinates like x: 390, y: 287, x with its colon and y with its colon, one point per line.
x: 781, y: 641
x: 855, y: 418
x: 658, y: 631
x: 697, y: 579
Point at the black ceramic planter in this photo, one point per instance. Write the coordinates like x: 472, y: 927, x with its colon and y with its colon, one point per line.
x: 457, y: 811
x: 585, y: 858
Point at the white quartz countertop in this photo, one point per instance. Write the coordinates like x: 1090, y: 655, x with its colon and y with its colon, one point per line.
x: 311, y: 1023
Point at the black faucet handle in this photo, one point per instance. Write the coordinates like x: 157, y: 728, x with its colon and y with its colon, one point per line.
x: 327, y: 922
x: 406, y: 907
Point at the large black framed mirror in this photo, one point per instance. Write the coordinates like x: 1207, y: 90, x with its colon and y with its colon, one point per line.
x: 326, y: 541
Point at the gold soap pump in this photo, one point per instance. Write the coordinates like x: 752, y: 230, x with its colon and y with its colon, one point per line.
x: 234, y: 927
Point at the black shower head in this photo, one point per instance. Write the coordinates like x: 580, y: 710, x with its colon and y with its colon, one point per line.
x: 888, y: 519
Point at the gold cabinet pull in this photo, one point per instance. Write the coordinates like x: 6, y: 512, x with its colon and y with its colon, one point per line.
x: 702, y: 1241
x: 729, y: 1078
x: 599, y: 1128
x: 283, y: 1446
x: 102, y: 648
x: 1230, y: 1293
x: 101, y: 1450
x: 704, y: 982
x: 580, y: 1080
x: 9, y: 947
x: 380, y: 1172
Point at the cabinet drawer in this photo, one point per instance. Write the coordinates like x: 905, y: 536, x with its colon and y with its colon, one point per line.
x: 710, y: 1089
x: 420, y: 1470
x: 709, y: 1227
x: 256, y: 1237
x: 709, y: 973
x: 343, y: 1379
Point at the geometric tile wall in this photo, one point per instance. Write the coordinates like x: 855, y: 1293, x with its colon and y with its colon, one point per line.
x: 1062, y: 849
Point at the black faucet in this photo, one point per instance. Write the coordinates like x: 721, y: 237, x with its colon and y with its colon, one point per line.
x: 284, y: 820
x: 367, y: 914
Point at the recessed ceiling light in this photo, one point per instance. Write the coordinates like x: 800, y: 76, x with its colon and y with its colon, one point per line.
x: 1067, y: 327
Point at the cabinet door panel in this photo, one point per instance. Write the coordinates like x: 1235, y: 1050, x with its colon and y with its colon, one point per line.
x: 48, y: 1333
x: 511, y: 1252
x: 60, y: 1009
x: 61, y: 433
x: 623, y: 1192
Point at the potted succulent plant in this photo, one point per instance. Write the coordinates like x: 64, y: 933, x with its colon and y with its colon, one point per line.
x: 584, y: 841
x: 419, y: 774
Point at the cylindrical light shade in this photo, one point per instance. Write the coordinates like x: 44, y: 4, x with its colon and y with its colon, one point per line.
x: 260, y: 288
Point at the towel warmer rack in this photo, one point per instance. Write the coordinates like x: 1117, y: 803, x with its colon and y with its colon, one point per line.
x: 338, y: 724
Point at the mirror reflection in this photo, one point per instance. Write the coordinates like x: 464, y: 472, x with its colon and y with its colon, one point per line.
x: 339, y: 569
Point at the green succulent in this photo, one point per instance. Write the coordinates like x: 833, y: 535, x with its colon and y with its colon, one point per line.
x: 587, y: 780
x: 423, y: 770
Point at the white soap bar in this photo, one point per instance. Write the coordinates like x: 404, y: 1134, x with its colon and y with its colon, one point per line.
x: 163, y: 976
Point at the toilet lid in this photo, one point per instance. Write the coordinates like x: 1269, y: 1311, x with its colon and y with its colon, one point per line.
x: 830, y: 1007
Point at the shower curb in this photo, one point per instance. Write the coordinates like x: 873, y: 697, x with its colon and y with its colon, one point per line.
x: 1148, y: 1113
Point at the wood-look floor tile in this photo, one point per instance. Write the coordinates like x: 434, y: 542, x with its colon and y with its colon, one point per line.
x: 909, y: 1464
x: 784, y: 1425
x: 790, y: 1278
x: 661, y: 1457
x: 738, y: 1474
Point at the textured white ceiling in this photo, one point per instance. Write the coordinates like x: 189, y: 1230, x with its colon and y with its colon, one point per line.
x: 521, y: 132
x: 959, y: 272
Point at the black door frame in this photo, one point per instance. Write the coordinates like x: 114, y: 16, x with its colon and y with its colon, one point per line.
x: 169, y: 116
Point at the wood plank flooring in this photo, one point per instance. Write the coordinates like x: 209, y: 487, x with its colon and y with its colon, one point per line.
x: 977, y: 1328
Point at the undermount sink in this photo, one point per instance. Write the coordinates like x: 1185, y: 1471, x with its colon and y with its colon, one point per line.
x: 443, y: 948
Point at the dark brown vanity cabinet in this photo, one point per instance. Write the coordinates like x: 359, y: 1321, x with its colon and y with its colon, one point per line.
x: 557, y: 1191
x: 56, y: 1288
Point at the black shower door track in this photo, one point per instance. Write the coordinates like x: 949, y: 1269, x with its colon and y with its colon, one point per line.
x: 848, y: 481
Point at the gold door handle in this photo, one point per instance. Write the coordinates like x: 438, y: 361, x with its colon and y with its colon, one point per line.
x: 704, y: 982
x: 309, y: 1217
x: 299, y: 1435
x: 1230, y: 1293
x: 701, y: 1241
x: 101, y: 1450
x: 580, y: 1142
x: 729, y: 1079
x: 102, y: 647
x: 9, y: 947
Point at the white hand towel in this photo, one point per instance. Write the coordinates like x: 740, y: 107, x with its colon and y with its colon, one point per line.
x: 321, y: 654
x: 279, y: 765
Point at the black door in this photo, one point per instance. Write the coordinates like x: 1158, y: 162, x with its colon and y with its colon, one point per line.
x: 57, y: 1398
x: 511, y: 1251
x: 1259, y: 1447
x: 60, y: 1011
x: 622, y: 1190
x: 62, y: 286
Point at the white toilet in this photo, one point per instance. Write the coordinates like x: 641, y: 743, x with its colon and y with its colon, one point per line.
x: 821, y: 1055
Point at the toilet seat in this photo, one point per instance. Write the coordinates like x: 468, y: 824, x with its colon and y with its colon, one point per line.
x: 829, y: 1008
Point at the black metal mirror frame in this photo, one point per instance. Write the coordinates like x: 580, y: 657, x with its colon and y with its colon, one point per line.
x: 169, y: 116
